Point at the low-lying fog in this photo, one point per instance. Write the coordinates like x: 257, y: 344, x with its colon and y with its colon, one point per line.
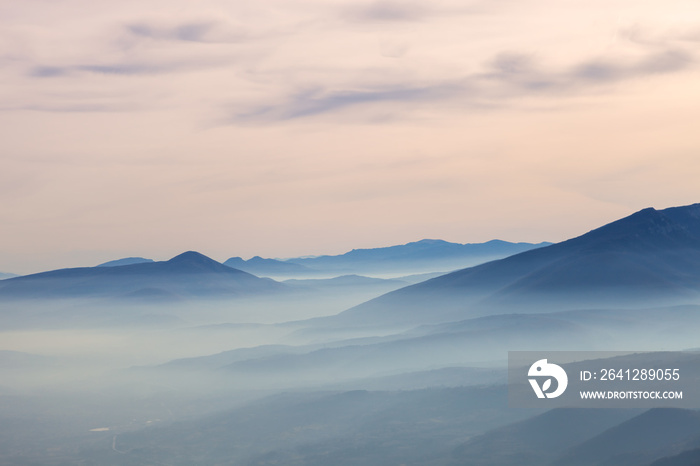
x: 77, y: 374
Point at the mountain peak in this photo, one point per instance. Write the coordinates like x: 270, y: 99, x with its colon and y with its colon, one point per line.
x: 188, y: 274
x: 649, y: 228
x: 430, y: 241
x: 191, y: 256
x: 651, y: 256
x: 193, y: 261
x: 125, y: 261
x: 234, y: 260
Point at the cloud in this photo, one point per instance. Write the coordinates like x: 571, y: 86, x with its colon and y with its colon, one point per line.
x: 149, y: 48
x: 96, y: 107
x: 386, y: 10
x: 47, y: 71
x: 207, y: 31
x: 132, y: 67
x: 141, y: 68
x: 508, y: 76
x: 516, y: 73
x: 649, y: 37
x: 691, y: 36
x: 667, y: 61
x: 309, y: 77
x: 408, y: 11
x: 519, y: 73
x: 512, y: 63
x: 318, y: 101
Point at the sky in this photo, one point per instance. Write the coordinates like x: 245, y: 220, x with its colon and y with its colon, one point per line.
x: 294, y: 127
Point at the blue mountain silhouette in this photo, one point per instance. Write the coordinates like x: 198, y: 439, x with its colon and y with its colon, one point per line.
x: 188, y: 274
x: 650, y: 257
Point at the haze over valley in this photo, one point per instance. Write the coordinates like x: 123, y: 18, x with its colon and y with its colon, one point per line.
x: 192, y: 361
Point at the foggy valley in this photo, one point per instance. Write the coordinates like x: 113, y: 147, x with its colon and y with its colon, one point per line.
x: 189, y: 361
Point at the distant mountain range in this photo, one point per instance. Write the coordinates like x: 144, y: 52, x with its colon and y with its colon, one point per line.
x: 650, y: 257
x: 125, y: 261
x: 144, y: 279
x: 3, y: 276
x: 190, y: 274
x: 265, y: 267
x: 425, y: 255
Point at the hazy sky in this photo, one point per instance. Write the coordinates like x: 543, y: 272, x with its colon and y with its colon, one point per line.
x: 292, y: 127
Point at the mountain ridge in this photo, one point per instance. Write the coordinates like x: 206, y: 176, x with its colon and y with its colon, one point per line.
x: 425, y: 249
x: 189, y: 273
x: 651, y: 254
x: 124, y: 261
x: 426, y: 255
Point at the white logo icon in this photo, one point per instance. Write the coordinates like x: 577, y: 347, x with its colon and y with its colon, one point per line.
x: 543, y: 369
